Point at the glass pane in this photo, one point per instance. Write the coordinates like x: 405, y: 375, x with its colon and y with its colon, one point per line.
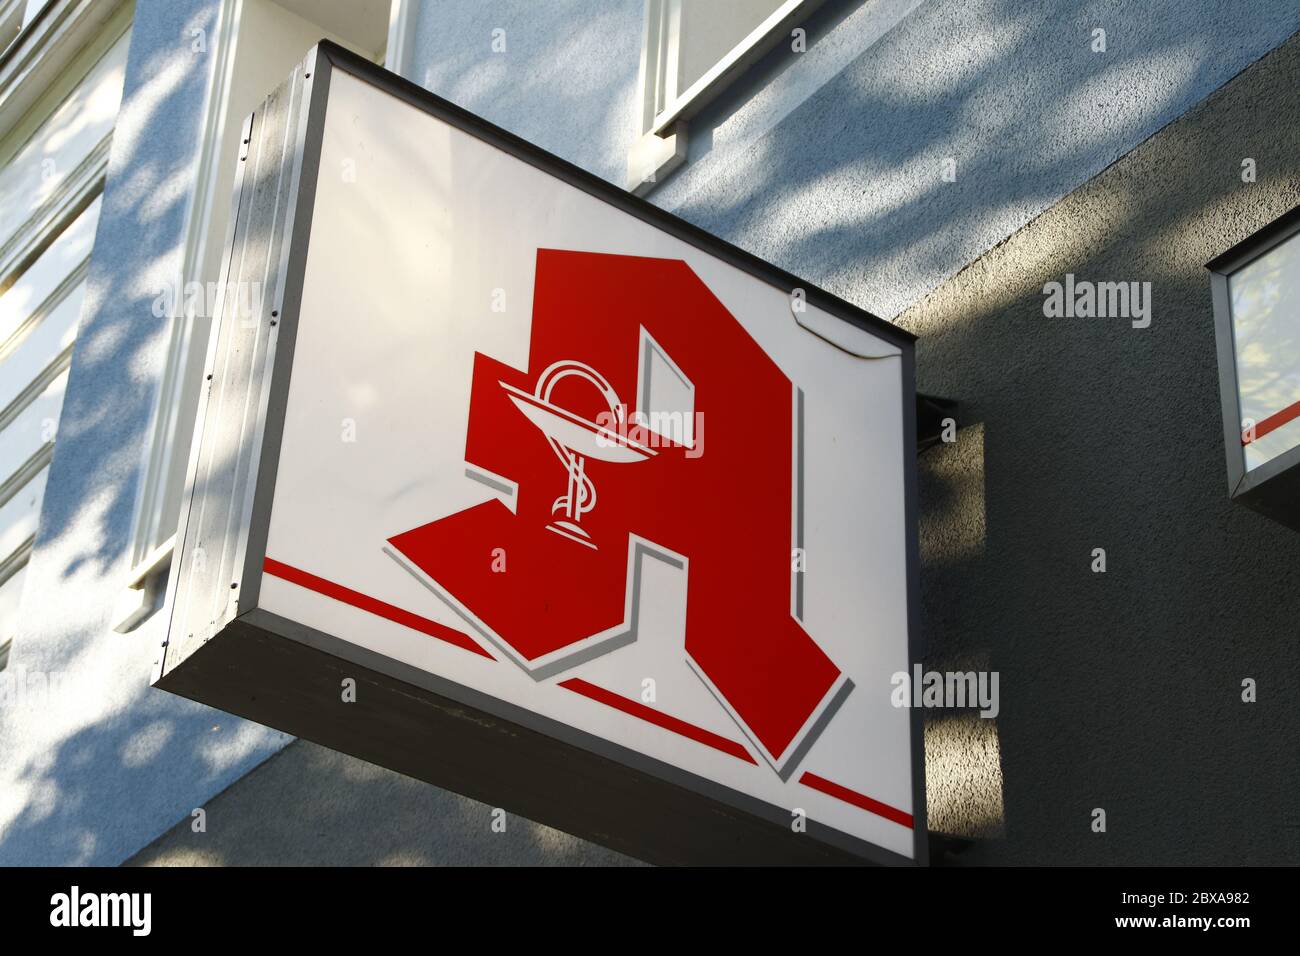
x: 10, y: 592
x: 19, y: 514
x: 1265, y: 298
x: 41, y: 346
x: 33, y: 427
x: 710, y: 29
x: 34, y: 287
x: 62, y: 142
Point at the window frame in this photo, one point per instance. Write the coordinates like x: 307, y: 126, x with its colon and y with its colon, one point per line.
x: 1273, y: 487
x: 661, y: 146
x: 665, y: 15
x: 57, y: 52
x: 12, y: 16
x: 167, y: 449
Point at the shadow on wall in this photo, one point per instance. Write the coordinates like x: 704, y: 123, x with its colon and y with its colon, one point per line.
x: 837, y: 193
x: 1121, y: 689
x: 118, y: 780
x: 963, y: 766
x: 94, y: 764
x: 849, y: 188
x: 560, y: 74
x: 335, y: 810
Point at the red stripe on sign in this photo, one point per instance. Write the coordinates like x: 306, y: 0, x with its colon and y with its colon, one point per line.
x: 635, y: 708
x: 389, y: 612
x: 1273, y: 423
x: 861, y: 801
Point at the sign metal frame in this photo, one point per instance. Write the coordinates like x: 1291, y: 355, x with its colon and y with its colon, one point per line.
x: 223, y: 650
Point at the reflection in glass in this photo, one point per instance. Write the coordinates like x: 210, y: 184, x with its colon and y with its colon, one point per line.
x: 711, y: 28
x: 1265, y: 297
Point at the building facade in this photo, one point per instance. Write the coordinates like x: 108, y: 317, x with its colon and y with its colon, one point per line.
x: 944, y: 165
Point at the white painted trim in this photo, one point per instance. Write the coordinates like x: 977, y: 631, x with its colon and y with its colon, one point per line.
x: 662, y: 147
x: 653, y: 157
x: 77, y: 191
x: 680, y: 105
x: 45, y: 49
x: 164, y: 457
x: 159, y: 451
x: 11, y: 21
x: 156, y: 560
x: 402, y: 15
x: 49, y: 61
x: 144, y: 590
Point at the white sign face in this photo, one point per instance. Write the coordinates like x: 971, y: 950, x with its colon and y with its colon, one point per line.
x: 543, y: 449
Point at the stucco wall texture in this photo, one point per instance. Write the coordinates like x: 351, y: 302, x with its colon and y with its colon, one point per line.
x: 829, y: 164
x: 346, y: 812
x: 1119, y: 690
x: 92, y: 773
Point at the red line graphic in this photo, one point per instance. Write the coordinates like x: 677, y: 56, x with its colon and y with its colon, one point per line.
x: 635, y: 708
x: 1273, y: 422
x: 587, y: 689
x: 338, y: 592
x: 861, y: 801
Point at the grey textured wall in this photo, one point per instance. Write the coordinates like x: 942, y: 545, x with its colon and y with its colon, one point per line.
x: 93, y: 773
x: 848, y: 188
x: 1119, y: 690
x: 829, y: 164
x: 309, y: 806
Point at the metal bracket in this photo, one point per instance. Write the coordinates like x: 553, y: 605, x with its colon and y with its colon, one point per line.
x: 931, y: 412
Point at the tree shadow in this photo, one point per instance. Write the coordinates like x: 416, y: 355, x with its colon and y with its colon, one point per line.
x: 341, y: 811
x: 847, y: 189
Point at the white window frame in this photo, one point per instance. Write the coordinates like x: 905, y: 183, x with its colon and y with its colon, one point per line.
x: 58, y: 48
x: 167, y: 450
x: 663, y: 108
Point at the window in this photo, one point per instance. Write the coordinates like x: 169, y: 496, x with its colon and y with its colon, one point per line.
x: 54, y: 141
x: 1264, y: 297
x: 11, y: 20
x: 693, y: 49
x: 257, y: 45
x: 1257, y: 312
